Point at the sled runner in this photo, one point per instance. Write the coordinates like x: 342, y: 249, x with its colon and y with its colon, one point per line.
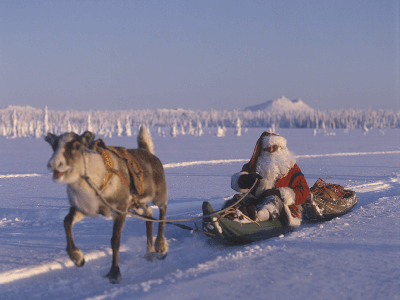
x: 224, y: 230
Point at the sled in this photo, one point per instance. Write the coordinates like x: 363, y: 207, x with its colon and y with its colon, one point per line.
x: 226, y: 231
x: 318, y: 208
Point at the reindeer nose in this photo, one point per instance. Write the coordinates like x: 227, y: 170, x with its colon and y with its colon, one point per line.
x: 54, y: 164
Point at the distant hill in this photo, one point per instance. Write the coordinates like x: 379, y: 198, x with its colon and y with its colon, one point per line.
x: 281, y: 105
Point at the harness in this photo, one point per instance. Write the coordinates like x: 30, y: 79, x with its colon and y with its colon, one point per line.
x: 134, y: 183
x: 110, y: 170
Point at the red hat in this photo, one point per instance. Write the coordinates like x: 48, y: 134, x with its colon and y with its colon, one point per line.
x: 266, y: 139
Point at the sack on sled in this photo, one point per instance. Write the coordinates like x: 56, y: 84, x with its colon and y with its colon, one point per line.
x: 327, y: 201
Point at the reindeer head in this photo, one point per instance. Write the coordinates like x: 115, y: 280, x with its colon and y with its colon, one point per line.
x: 66, y: 162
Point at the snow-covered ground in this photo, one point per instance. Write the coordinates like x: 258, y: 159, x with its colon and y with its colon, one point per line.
x: 356, y: 256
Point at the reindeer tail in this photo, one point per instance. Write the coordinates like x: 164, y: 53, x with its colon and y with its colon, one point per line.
x: 144, y: 140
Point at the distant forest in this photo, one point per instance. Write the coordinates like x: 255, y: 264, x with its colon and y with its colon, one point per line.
x: 16, y: 121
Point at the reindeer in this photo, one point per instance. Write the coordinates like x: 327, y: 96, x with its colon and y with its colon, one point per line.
x: 77, y: 159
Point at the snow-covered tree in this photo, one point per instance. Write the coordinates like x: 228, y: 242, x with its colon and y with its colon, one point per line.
x: 221, y: 131
x: 89, y: 124
x: 199, y: 130
x: 190, y: 128
x: 173, y: 129
x: 272, y: 128
x: 38, y: 131
x: 238, y: 127
x: 14, y: 127
x: 128, y: 130
x: 119, y: 128
x: 46, y: 121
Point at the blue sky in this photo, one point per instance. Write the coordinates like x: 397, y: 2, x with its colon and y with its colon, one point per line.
x: 199, y: 54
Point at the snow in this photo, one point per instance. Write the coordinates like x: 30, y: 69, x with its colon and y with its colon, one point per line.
x: 17, y: 121
x: 355, y: 256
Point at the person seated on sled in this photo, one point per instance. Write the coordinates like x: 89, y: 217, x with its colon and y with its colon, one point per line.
x: 281, y: 188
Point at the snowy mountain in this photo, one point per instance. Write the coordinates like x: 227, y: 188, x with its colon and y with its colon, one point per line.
x: 281, y: 105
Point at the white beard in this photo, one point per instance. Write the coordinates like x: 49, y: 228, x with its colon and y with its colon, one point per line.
x: 272, y: 166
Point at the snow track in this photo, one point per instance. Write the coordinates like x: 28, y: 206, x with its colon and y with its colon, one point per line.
x: 19, y: 175
x: 22, y: 273
x: 375, y: 186
x: 227, y: 161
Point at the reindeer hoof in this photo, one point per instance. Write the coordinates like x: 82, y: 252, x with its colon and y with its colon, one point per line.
x: 114, y: 276
x: 150, y: 256
x: 81, y: 263
x: 161, y: 246
x: 161, y: 256
x: 153, y: 256
x: 77, y: 257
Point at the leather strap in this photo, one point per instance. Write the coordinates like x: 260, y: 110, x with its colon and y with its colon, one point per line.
x: 110, y: 170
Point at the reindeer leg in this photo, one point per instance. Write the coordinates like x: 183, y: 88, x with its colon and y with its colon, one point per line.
x: 161, y: 242
x: 74, y: 253
x: 115, y: 275
x: 149, y: 230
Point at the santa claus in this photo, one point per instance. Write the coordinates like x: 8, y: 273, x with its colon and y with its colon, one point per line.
x: 281, y: 188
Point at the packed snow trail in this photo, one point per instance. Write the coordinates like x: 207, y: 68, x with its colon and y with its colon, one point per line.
x: 224, y: 161
x: 19, y: 175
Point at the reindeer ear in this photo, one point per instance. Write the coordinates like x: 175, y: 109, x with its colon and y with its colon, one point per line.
x: 50, y: 138
x: 87, y: 138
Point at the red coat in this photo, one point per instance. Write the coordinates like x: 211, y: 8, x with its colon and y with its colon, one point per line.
x: 296, y: 182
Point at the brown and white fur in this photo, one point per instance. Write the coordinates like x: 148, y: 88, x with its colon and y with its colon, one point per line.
x: 72, y: 160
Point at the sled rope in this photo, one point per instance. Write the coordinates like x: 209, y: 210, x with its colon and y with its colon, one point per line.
x: 148, y: 219
x: 135, y: 215
x: 234, y: 211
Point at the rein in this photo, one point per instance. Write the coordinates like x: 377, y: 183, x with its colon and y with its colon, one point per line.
x: 148, y: 219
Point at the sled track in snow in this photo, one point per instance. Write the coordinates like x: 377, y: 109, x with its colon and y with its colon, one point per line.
x: 27, y: 272
x: 376, y: 186
x: 225, y: 161
x: 19, y: 175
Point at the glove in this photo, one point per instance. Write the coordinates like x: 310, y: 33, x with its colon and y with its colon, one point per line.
x: 271, y: 192
x: 246, y: 181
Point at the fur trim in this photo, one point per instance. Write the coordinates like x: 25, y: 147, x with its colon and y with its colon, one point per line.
x: 292, y: 221
x: 288, y: 196
x: 272, y: 140
x: 234, y: 182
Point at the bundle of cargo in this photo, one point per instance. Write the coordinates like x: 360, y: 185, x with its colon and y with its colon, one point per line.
x: 327, y: 201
